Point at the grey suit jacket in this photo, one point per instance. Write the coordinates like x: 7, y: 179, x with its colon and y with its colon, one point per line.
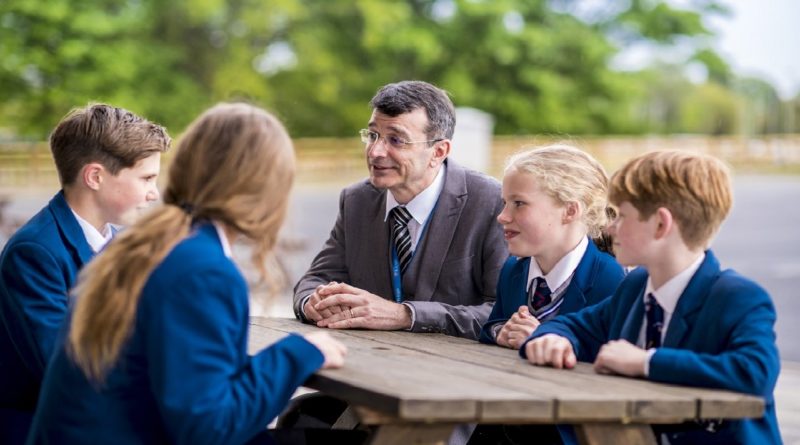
x: 451, y: 281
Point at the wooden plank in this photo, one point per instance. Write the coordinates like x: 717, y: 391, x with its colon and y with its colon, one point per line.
x: 711, y: 403
x: 409, y: 384
x: 609, y: 433
x: 522, y: 408
x: 534, y: 401
x: 348, y: 420
x: 603, y: 401
x: 404, y: 434
x: 565, y: 395
x: 672, y: 405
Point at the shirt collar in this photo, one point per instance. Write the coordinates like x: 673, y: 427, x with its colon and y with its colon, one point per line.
x: 670, y: 292
x: 563, y: 268
x: 223, y: 239
x: 421, y: 205
x: 94, y: 237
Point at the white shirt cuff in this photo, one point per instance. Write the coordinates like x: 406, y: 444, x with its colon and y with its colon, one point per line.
x: 496, y: 329
x: 303, y: 306
x: 650, y: 353
x: 413, y: 315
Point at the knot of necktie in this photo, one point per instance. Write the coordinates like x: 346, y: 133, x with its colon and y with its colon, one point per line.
x: 401, y: 215
x: 541, y: 295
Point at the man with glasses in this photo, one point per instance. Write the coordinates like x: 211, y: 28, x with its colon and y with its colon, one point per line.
x: 416, y: 246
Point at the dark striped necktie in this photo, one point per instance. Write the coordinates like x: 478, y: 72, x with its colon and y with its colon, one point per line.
x: 654, y: 315
x: 539, y: 294
x: 400, y: 235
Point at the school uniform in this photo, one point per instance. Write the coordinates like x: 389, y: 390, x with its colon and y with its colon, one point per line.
x: 184, y: 375
x: 595, y: 278
x: 38, y: 267
x: 584, y: 276
x: 721, y: 335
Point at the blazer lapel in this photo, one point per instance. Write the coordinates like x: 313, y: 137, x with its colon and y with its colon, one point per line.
x: 441, y: 230
x: 691, y: 300
x: 519, y: 284
x: 70, y: 229
x: 633, y: 322
x: 376, y: 238
x: 581, y: 284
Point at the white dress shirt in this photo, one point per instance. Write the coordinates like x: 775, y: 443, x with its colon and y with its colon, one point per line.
x: 94, y: 237
x: 667, y: 297
x: 223, y: 239
x: 560, y: 276
x: 420, y: 207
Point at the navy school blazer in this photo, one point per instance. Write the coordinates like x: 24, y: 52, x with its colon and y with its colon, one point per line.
x: 38, y: 266
x: 595, y: 279
x: 184, y: 375
x: 720, y: 336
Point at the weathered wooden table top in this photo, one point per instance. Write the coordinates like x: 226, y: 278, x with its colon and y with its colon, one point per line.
x: 413, y: 378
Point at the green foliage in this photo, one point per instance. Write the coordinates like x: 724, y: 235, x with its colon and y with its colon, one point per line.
x: 538, y: 66
x: 711, y: 109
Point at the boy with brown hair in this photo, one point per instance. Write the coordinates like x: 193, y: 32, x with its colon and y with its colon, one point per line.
x: 678, y: 318
x: 108, y: 161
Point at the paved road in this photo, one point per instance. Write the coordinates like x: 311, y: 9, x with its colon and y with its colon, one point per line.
x: 760, y: 239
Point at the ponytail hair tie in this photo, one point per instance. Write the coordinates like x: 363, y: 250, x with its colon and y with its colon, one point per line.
x: 188, y: 208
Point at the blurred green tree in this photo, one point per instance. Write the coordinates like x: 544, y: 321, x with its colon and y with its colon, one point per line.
x: 539, y: 66
x: 165, y: 60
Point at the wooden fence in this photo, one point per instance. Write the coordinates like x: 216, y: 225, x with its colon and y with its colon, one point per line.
x: 341, y: 160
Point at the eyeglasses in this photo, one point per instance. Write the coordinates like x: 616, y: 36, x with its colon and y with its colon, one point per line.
x: 370, y: 138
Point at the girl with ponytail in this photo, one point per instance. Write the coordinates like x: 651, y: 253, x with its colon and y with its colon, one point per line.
x: 156, y: 348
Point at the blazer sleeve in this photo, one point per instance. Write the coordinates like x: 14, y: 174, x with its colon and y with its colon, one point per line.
x: 748, y: 361
x: 499, y: 312
x: 329, y: 264
x: 587, y: 330
x: 467, y: 320
x: 207, y: 388
x: 35, y: 281
x: 495, y: 317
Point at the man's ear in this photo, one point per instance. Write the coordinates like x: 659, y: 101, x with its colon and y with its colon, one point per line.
x: 92, y: 175
x: 441, y: 150
x: 665, y: 223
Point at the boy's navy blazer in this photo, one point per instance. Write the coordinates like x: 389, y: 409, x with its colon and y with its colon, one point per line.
x: 720, y: 336
x: 595, y: 279
x: 38, y: 267
x: 184, y: 375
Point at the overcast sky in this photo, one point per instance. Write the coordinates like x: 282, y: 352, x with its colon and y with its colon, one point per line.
x: 762, y: 38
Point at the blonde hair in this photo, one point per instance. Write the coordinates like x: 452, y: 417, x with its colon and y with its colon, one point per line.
x: 696, y: 188
x: 568, y: 174
x: 235, y: 165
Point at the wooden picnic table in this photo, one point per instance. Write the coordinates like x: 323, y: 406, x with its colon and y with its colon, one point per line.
x: 415, y: 388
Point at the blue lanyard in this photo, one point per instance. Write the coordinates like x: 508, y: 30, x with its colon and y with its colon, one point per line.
x: 397, y: 278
